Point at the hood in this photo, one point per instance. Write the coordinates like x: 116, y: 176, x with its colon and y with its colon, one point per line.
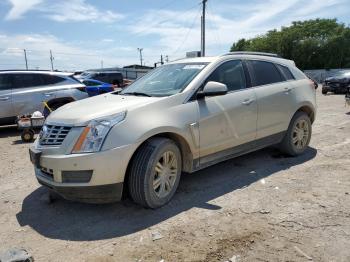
x: 80, y: 112
x: 340, y: 78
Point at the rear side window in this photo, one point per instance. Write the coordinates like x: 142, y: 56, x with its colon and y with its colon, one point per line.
x: 26, y: 80
x: 51, y: 79
x: 285, y: 72
x: 231, y: 74
x: 5, y: 83
x: 264, y: 73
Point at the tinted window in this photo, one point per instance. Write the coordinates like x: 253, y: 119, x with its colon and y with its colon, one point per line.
x: 231, y: 74
x: 51, y: 79
x: 4, y: 82
x: 285, y: 72
x: 26, y: 80
x: 264, y: 73
x: 90, y: 83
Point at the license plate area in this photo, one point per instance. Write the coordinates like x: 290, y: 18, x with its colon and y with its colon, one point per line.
x: 35, y: 157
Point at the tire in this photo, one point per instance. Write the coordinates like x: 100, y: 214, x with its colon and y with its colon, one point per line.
x: 146, y: 169
x: 324, y: 91
x: 298, y: 135
x: 27, y: 135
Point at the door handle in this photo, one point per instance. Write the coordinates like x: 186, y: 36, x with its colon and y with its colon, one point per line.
x: 247, y: 102
x: 4, y: 98
x: 48, y: 94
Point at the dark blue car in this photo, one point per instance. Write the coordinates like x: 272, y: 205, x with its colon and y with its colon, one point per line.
x: 95, y: 87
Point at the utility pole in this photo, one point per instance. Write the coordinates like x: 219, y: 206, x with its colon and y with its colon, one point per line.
x: 161, y: 60
x: 204, y: 2
x: 140, y: 50
x: 51, y: 59
x: 25, y: 58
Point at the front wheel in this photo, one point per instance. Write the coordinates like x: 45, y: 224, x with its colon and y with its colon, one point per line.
x: 155, y: 172
x: 298, y: 135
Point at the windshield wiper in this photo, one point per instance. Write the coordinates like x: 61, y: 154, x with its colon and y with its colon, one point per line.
x: 136, y: 94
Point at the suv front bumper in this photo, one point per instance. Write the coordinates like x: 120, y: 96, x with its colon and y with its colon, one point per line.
x: 89, y: 177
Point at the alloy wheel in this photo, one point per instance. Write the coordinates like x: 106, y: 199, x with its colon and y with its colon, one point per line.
x: 165, y: 173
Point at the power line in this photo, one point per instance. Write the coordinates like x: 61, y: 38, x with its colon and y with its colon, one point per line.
x: 211, y: 12
x: 188, y: 33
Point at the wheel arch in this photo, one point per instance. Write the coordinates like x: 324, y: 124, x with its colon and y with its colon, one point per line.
x: 180, y: 141
x: 309, y: 110
x: 60, y: 100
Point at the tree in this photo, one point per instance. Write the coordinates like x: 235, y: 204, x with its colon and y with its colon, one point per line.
x: 312, y: 44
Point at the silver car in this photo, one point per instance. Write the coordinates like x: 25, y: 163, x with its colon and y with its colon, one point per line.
x: 22, y: 92
x: 180, y: 117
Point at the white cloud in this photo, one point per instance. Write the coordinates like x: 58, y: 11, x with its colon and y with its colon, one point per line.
x: 77, y: 10
x: 20, y: 7
x: 170, y: 28
x: 62, y: 11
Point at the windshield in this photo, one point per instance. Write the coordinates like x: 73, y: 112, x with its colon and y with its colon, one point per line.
x: 166, y: 80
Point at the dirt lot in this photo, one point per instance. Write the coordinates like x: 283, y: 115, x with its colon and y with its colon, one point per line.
x: 258, y: 207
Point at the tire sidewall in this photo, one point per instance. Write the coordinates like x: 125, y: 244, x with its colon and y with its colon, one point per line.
x: 152, y: 199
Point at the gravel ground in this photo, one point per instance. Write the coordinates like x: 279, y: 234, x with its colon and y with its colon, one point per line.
x: 258, y: 207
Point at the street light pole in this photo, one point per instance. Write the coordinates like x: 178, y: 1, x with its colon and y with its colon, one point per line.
x: 204, y: 2
x: 51, y: 59
x: 140, y: 50
x: 25, y: 58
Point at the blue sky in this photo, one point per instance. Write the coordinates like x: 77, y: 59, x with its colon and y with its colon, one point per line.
x: 82, y: 33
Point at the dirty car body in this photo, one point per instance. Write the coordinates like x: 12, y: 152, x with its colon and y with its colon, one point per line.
x: 192, y: 112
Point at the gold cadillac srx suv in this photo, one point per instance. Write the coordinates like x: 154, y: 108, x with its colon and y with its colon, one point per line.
x: 180, y: 117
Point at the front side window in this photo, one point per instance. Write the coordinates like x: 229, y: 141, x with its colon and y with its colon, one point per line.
x: 264, y: 73
x: 166, y: 80
x: 51, y: 79
x: 231, y: 74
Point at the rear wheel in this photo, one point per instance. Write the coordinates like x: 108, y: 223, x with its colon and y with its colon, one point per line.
x: 27, y: 135
x: 155, y: 172
x: 324, y: 91
x: 298, y: 135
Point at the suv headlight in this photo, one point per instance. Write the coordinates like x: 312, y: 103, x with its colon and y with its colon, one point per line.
x: 93, y: 135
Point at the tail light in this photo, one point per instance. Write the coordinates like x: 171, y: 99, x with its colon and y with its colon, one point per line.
x: 82, y: 89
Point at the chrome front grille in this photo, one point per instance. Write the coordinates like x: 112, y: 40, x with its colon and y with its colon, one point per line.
x: 53, y: 135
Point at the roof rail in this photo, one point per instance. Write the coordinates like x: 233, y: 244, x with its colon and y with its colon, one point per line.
x: 252, y: 53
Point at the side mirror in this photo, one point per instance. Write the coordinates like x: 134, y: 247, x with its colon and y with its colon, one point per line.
x: 213, y: 89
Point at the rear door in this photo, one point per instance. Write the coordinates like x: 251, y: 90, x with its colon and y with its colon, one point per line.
x: 6, y: 109
x: 29, y: 92
x: 275, y: 96
x: 229, y: 121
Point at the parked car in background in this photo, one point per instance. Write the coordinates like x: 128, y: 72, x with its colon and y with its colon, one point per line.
x: 111, y: 77
x: 337, y: 84
x: 95, y: 87
x: 181, y: 117
x: 23, y: 92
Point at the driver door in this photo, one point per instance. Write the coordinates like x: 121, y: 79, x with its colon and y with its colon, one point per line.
x: 227, y: 122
